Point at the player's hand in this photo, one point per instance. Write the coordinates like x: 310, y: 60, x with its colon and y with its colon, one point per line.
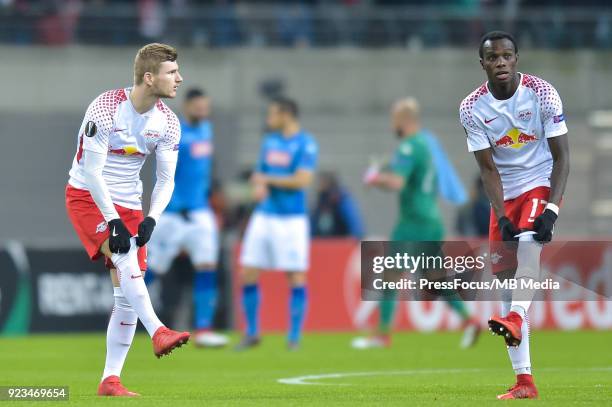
x: 260, y: 192
x: 119, y: 239
x: 371, y: 175
x: 145, y: 229
x: 258, y: 179
x: 508, y: 230
x: 544, y: 225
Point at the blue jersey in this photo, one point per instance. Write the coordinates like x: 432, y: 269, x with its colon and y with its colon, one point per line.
x: 284, y: 156
x: 193, y: 169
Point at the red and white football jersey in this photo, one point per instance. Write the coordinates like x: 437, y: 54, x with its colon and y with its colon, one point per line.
x: 516, y: 129
x: 127, y: 137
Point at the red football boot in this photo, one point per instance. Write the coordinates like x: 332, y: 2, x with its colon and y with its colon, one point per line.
x: 111, y: 386
x: 523, y: 389
x: 509, y: 327
x: 166, y: 340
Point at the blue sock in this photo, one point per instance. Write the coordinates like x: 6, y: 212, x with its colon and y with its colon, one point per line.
x: 149, y: 277
x: 204, y: 298
x: 250, y: 303
x: 297, y: 312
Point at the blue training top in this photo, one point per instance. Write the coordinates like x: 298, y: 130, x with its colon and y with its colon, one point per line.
x: 194, y: 167
x: 449, y: 184
x: 284, y: 156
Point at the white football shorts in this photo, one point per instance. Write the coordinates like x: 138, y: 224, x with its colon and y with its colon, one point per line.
x: 280, y: 243
x: 198, y: 237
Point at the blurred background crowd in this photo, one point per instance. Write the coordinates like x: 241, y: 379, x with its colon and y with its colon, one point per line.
x: 305, y: 23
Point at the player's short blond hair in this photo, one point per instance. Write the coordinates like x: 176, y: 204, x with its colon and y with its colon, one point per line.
x: 150, y: 57
x: 408, y: 105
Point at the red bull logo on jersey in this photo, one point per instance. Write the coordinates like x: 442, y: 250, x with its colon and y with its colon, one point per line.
x: 515, y: 139
x: 278, y: 158
x: 127, y: 150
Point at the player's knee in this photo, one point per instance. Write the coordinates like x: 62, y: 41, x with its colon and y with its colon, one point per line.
x: 296, y: 279
x: 205, y: 266
x: 249, y: 275
x: 121, y: 303
x: 120, y: 259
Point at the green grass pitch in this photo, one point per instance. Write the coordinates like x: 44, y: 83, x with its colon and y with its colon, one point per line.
x: 570, y: 368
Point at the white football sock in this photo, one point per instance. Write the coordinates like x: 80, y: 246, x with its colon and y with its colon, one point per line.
x: 506, y: 302
x: 119, y: 335
x: 134, y: 288
x: 519, y: 356
x: 528, y: 269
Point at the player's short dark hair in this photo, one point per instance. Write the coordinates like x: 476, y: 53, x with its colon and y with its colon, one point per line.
x: 194, y: 93
x: 496, y: 35
x: 287, y: 105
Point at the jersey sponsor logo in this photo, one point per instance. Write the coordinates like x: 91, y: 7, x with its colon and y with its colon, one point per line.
x: 278, y: 158
x: 101, y: 227
x: 127, y: 150
x: 515, y: 139
x: 487, y: 121
x: 201, y: 149
x: 525, y: 115
x: 559, y: 118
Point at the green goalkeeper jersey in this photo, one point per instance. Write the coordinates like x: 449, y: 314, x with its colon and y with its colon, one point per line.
x: 419, y: 215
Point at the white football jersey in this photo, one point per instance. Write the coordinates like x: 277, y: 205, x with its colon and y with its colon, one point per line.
x: 127, y: 137
x: 516, y: 129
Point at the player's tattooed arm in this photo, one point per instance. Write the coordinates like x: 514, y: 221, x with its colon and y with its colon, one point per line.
x: 559, y: 148
x: 491, y: 180
x: 300, y: 180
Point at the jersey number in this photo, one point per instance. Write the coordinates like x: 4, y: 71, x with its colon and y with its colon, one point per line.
x: 428, y: 180
x: 534, y: 208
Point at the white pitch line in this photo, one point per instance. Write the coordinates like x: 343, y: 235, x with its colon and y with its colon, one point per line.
x: 308, y: 380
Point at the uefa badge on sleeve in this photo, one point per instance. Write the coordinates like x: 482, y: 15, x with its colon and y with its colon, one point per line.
x: 91, y: 129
